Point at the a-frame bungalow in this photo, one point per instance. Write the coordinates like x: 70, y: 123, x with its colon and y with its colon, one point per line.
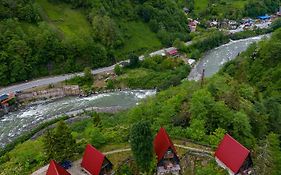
x: 56, y: 169
x: 96, y: 163
x: 167, y: 159
x: 234, y: 157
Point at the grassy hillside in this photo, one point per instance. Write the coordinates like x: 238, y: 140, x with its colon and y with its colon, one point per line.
x: 75, y: 34
x: 140, y: 38
x: 233, y: 9
x: 72, y: 23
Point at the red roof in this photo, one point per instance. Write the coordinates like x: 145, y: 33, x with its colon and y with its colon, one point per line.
x: 162, y: 143
x: 231, y: 153
x: 172, y: 52
x: 56, y: 169
x: 92, y: 160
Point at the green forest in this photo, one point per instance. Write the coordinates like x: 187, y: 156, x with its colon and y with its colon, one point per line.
x: 38, y: 38
x: 50, y: 37
x: 231, y: 9
x: 243, y: 99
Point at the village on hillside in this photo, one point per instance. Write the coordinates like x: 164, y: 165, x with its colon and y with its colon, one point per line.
x: 230, y: 155
x: 234, y: 26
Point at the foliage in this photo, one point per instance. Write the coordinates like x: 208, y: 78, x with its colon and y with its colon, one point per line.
x: 206, y: 42
x: 117, y: 69
x: 255, y: 8
x: 29, y: 134
x: 23, y: 10
x: 210, y: 168
x: 155, y: 72
x: 141, y: 143
x: 94, y: 136
x: 59, y: 144
x: 106, y: 31
x: 269, y: 156
x: 160, y: 15
x: 86, y: 81
x: 73, y: 38
x: 276, y: 24
x: 23, y: 158
x: 134, y: 60
x: 229, y: 9
x: 216, y: 137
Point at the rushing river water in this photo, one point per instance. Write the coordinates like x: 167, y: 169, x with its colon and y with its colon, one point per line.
x: 214, y: 59
x: 15, y: 123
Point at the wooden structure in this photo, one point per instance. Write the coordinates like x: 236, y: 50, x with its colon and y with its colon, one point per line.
x: 56, y: 169
x: 234, y: 157
x: 95, y: 163
x: 167, y: 159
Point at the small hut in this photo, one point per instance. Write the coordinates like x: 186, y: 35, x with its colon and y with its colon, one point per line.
x: 234, y: 157
x: 167, y: 159
x: 56, y: 169
x: 95, y: 163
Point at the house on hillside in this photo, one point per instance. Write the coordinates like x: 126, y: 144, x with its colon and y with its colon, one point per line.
x: 95, y: 163
x: 167, y: 160
x: 264, y: 18
x: 173, y: 52
x: 56, y: 169
x: 234, y: 157
x: 279, y: 12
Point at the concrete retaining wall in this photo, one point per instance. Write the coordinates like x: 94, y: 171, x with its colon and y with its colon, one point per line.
x: 49, y: 93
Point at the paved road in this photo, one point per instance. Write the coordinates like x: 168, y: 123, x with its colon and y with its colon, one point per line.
x: 47, y: 81
x: 60, y: 78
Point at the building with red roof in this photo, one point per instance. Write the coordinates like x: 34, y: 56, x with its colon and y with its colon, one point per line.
x: 167, y: 159
x: 233, y: 156
x: 172, y: 51
x: 96, y: 163
x: 56, y: 169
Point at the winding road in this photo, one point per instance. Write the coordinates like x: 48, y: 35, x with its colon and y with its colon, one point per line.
x: 60, y: 78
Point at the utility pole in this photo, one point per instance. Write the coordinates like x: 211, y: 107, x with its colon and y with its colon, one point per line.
x: 202, y: 78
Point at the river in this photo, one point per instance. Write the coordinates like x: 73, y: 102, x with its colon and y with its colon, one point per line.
x: 213, y: 60
x: 15, y: 123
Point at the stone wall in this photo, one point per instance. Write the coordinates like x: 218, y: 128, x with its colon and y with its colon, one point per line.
x: 49, y: 93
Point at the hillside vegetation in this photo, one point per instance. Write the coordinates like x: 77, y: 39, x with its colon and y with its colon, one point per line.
x: 242, y: 100
x: 40, y: 37
x: 231, y: 9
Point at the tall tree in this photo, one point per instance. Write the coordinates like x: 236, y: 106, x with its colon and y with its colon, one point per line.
x: 141, y: 144
x: 269, y: 156
x: 59, y: 144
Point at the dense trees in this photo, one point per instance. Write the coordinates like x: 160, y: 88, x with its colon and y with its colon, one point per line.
x: 220, y: 9
x: 268, y: 160
x: 254, y: 8
x: 31, y: 48
x: 141, y: 143
x: 23, y: 10
x: 59, y: 144
x: 161, y: 17
x: 28, y: 53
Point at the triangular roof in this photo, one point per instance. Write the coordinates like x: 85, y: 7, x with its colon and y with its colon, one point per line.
x: 231, y: 153
x: 92, y: 160
x: 162, y: 143
x: 56, y: 169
